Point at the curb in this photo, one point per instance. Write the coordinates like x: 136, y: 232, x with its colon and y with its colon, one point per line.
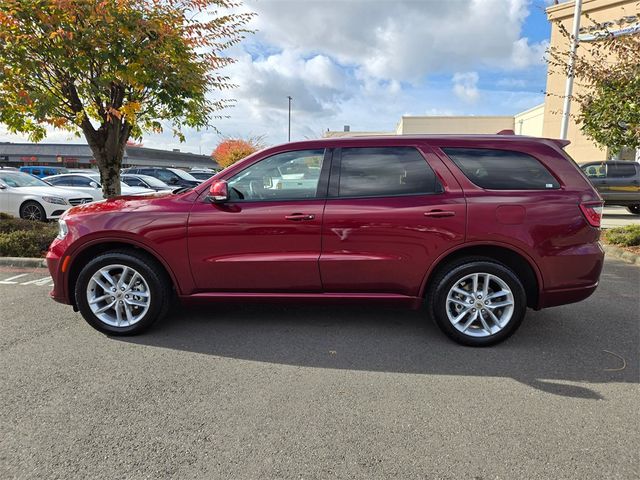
x: 23, y: 262
x: 622, y: 254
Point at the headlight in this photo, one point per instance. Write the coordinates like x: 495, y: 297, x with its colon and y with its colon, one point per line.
x: 62, y: 229
x: 56, y: 200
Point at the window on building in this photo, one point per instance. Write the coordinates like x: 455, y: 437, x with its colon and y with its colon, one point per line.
x: 502, y: 169
x: 385, y: 171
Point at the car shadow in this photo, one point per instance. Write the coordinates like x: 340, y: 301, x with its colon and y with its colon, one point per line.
x: 553, y: 350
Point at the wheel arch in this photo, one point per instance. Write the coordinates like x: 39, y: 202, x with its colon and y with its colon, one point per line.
x: 523, y: 266
x: 95, y: 248
x: 31, y: 200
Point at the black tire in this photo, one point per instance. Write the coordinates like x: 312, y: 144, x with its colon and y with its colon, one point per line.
x: 32, y: 210
x: 153, y: 274
x: 635, y: 209
x: 456, y: 272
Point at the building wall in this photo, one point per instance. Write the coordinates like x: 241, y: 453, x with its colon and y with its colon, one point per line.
x: 530, y: 122
x: 582, y: 149
x: 455, y: 125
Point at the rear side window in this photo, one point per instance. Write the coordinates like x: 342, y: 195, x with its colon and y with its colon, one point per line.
x: 385, y: 171
x: 502, y: 169
x: 621, y: 170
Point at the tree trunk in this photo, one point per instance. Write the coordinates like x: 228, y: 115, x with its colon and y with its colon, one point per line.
x: 107, y: 144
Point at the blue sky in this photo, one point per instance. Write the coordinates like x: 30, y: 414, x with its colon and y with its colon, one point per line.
x: 365, y: 63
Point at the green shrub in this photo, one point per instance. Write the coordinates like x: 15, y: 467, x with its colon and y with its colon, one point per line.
x: 627, y: 236
x: 25, y: 238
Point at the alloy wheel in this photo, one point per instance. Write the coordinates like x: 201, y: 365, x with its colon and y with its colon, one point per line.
x: 118, y: 295
x: 480, y: 305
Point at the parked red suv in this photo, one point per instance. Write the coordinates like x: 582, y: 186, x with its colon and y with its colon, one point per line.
x: 477, y: 227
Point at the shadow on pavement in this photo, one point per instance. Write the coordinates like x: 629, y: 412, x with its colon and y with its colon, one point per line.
x: 553, y: 349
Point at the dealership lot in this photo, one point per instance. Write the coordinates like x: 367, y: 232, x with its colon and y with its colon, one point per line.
x: 317, y: 392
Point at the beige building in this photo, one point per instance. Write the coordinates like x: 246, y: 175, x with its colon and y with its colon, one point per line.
x: 614, y: 14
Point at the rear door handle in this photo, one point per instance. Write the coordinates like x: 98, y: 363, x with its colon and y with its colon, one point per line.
x: 299, y: 217
x: 439, y: 213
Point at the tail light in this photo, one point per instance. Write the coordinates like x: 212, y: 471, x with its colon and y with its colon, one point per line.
x: 592, y: 211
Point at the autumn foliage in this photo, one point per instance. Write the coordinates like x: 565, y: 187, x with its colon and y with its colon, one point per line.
x: 231, y: 150
x: 113, y: 69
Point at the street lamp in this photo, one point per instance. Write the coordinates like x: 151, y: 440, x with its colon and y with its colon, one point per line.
x: 290, y: 98
x: 568, y: 91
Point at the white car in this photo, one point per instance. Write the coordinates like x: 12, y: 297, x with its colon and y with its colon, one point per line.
x: 89, y: 183
x: 25, y: 196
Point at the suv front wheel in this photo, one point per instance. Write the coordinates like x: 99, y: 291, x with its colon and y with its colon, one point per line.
x: 478, y: 302
x: 122, y: 292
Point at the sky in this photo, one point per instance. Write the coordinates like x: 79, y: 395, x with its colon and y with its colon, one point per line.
x: 365, y: 63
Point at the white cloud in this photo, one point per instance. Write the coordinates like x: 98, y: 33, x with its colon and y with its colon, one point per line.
x: 465, y: 86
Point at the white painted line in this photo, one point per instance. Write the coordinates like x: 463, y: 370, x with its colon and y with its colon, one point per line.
x: 9, y: 282
x: 38, y: 281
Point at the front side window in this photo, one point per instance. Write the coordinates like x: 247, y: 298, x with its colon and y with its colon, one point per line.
x: 502, y: 169
x: 289, y: 175
x: 385, y: 171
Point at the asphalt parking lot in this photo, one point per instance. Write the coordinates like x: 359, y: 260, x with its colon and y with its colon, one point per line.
x: 318, y: 392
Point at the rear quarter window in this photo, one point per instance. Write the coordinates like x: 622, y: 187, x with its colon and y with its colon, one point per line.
x: 502, y: 169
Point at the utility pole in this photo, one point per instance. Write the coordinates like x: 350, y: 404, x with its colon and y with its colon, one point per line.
x: 568, y: 91
x: 290, y: 98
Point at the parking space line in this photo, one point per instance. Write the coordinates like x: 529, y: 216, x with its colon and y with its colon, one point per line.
x: 9, y: 281
x: 38, y: 281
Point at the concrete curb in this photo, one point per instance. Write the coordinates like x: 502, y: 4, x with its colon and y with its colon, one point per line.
x: 23, y: 262
x: 622, y: 254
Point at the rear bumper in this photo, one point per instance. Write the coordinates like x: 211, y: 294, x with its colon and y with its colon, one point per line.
x: 572, y: 276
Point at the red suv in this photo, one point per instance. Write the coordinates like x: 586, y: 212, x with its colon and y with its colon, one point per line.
x: 476, y: 227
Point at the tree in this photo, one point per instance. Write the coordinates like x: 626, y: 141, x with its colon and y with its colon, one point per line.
x: 112, y: 69
x: 231, y: 150
x: 607, y: 73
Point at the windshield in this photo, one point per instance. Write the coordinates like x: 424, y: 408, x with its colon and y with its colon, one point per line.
x: 182, y: 174
x: 18, y: 179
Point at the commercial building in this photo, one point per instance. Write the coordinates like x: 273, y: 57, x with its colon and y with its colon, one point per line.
x: 619, y: 16
x: 80, y: 156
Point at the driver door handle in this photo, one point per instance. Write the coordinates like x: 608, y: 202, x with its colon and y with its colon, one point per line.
x: 299, y: 217
x: 439, y: 213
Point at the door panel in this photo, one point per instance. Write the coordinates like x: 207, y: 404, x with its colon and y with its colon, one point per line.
x: 267, y: 238
x: 385, y: 243
x: 253, y: 247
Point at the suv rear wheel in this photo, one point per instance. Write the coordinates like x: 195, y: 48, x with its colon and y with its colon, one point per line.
x: 122, y: 292
x: 478, y: 302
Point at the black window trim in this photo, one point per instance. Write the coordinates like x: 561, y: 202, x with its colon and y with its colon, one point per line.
x: 321, y: 189
x: 334, y: 181
x: 561, y: 185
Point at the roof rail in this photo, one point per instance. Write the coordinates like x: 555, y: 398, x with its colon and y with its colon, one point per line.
x: 506, y: 132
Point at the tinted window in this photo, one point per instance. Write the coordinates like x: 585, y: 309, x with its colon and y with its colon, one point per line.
x: 289, y: 175
x: 502, y: 169
x: 618, y: 170
x: 366, y: 172
x: 81, y: 181
x: 132, y: 182
x: 62, y: 181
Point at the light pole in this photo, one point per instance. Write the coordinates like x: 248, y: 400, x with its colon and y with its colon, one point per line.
x: 290, y: 98
x: 566, y: 108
